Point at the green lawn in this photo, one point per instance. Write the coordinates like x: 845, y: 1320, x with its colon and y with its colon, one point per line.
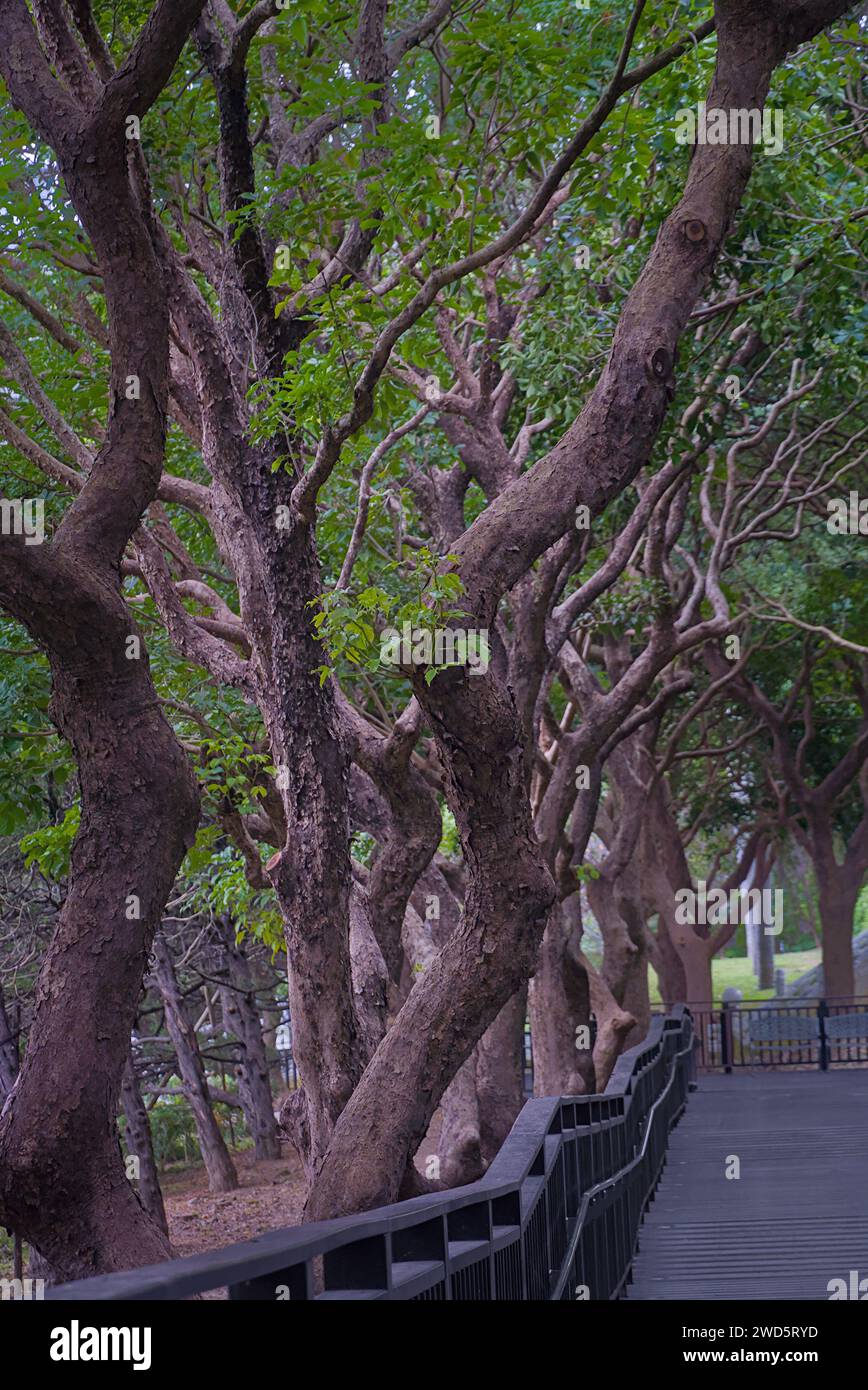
x: 736, y: 971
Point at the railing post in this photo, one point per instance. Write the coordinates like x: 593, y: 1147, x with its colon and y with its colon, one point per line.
x: 691, y: 1057
x: 822, y: 1015
x: 725, y: 1049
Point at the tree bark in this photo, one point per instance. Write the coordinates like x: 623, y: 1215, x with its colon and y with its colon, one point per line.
x: 215, y: 1155
x: 838, y: 893
x: 459, y: 1149
x: 500, y: 1074
x: 62, y: 1182
x: 8, y: 1051
x: 560, y: 1003
x: 478, y: 968
x: 241, y: 1018
x: 140, y: 1145
x: 483, y: 1099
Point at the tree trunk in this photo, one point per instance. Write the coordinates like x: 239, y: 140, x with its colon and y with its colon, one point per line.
x: 625, y: 963
x: 459, y: 1149
x: 613, y: 1026
x: 636, y: 997
x: 311, y: 873
x: 8, y: 1051
x: 483, y: 1099
x: 667, y: 872
x: 62, y: 1181
x: 241, y: 1018
x: 560, y: 1003
x: 838, y: 888
x: 697, y: 966
x: 37, y: 1266
x: 402, y: 814
x: 765, y: 950
x: 500, y: 1074
x: 837, y: 902
x: 140, y: 1145
x: 668, y: 966
x: 477, y: 970
x: 215, y: 1155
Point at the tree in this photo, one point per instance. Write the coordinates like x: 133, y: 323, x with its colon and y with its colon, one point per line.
x: 68, y: 1193
x: 295, y: 290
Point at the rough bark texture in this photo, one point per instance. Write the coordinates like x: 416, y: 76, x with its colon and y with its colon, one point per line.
x: 460, y: 1145
x: 482, y: 1101
x: 560, y: 1003
x: 478, y: 969
x: 62, y: 1183
x: 480, y: 726
x: 500, y: 1074
x: 215, y: 1155
x: 140, y: 1144
x: 241, y: 1018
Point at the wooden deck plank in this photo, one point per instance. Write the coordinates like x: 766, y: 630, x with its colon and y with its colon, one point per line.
x: 796, y: 1217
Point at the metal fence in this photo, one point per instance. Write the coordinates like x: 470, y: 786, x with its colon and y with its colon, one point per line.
x: 555, y: 1217
x: 796, y: 1033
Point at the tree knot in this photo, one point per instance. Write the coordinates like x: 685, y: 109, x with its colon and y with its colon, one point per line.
x: 660, y: 364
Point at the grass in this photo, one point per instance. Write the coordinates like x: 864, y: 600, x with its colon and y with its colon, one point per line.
x: 736, y: 972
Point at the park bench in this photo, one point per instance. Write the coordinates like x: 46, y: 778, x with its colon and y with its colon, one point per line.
x: 783, y: 1030
x: 848, y: 1026
x: 779, y: 1032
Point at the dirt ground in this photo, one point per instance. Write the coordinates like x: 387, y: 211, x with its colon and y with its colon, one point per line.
x: 270, y: 1195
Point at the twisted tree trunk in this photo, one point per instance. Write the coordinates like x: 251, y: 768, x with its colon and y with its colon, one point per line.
x: 62, y: 1182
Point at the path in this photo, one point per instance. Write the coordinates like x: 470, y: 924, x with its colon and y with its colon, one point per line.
x: 795, y: 1218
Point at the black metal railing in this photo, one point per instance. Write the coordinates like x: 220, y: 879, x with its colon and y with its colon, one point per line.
x: 787, y: 1033
x: 555, y: 1217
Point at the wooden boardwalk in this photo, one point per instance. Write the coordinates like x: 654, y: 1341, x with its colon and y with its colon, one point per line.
x: 795, y: 1218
